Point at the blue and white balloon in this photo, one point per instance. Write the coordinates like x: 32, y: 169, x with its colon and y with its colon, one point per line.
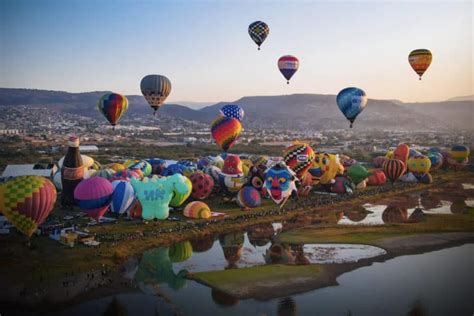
x: 351, y: 102
x: 123, y: 196
x: 232, y: 111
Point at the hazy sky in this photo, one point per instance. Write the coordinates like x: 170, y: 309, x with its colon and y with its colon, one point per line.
x: 205, y: 50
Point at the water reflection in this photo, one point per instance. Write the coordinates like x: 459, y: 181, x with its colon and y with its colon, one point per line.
x: 455, y: 198
x: 156, y: 267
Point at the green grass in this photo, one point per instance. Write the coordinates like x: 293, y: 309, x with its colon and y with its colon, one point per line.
x: 243, y: 282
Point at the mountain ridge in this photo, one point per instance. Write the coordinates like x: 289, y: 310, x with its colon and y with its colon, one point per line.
x: 295, y: 111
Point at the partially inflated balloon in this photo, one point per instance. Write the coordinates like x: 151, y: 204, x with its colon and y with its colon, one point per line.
x: 155, y: 194
x: 420, y: 60
x: 232, y: 110
x: 351, y: 102
x: 460, y: 153
x: 202, y: 185
x: 27, y: 201
x: 112, y: 106
x: 402, y: 152
x: 143, y: 166
x: 94, y: 196
x: 357, y: 173
x: 299, y: 157
x: 249, y: 197
x: 288, y: 65
x: 394, y: 169
x: 197, y: 209
x: 155, y: 89
x: 258, y: 31
x: 179, y: 196
x: 225, y: 132
x: 378, y: 177
x: 123, y: 196
x: 436, y: 159
x: 419, y: 165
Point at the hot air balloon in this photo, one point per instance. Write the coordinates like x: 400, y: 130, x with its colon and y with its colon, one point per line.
x: 123, y: 196
x: 460, y: 153
x: 155, y: 89
x: 232, y: 110
x: 402, y: 152
x: 351, y: 102
x: 299, y: 157
x: 27, y: 201
x: 202, y: 185
x: 248, y: 197
x: 112, y: 106
x: 259, y: 31
x: 420, y: 60
x: 94, y: 196
x: 225, y: 131
x: 419, y: 165
x: 394, y: 169
x: 288, y: 65
x: 197, y: 209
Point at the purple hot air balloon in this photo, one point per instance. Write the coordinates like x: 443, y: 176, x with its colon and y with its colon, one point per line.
x: 93, y: 196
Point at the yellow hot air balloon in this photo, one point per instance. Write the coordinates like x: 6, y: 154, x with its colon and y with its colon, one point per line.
x: 420, y: 60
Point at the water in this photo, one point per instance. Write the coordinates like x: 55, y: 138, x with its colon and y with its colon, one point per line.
x: 454, y: 199
x: 439, y: 283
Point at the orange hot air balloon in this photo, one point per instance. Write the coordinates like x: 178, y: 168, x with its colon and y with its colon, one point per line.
x: 402, y: 152
x: 27, y: 201
x: 420, y: 60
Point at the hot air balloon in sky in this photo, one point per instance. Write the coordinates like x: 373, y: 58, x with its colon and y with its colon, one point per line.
x: 155, y: 89
x: 259, y: 31
x: 288, y: 65
x: 112, y: 106
x: 232, y: 110
x: 351, y: 101
x: 26, y: 202
x: 420, y: 60
x: 225, y: 131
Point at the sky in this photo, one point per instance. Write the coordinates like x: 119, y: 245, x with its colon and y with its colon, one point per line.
x: 204, y: 48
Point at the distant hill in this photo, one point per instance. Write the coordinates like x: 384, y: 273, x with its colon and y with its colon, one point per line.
x: 296, y: 111
x: 463, y: 98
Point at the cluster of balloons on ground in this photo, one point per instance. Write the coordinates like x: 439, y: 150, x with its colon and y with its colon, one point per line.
x: 148, y: 188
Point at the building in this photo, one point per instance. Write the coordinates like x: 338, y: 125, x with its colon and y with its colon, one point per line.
x: 43, y: 170
x: 88, y: 149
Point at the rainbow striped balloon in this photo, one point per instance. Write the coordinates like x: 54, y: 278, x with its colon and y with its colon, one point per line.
x: 27, y: 201
x: 225, y: 131
x: 112, y: 106
x: 197, y: 209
